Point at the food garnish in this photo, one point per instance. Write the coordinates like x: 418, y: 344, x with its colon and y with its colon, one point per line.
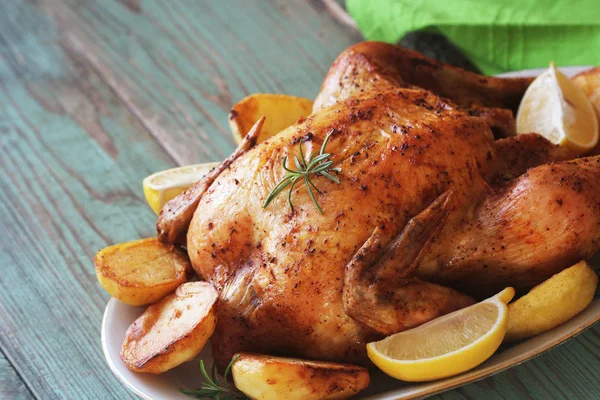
x: 552, y: 302
x: 446, y: 346
x: 317, y: 164
x: 213, y: 387
x: 162, y: 186
x: 556, y: 108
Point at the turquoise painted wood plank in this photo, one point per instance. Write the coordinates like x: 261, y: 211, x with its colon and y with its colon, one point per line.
x: 176, y: 67
x: 72, y: 152
x: 72, y: 158
x: 181, y: 65
x: 222, y: 51
x: 567, y: 372
x: 11, y: 385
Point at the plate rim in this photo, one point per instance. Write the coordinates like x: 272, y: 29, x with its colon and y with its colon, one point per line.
x: 110, y: 304
x: 436, y: 386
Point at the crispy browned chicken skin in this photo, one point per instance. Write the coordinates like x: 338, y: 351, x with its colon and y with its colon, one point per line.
x: 431, y: 212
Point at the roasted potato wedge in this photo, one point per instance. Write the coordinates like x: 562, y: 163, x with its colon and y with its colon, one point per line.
x: 266, y: 377
x: 280, y: 111
x: 589, y: 82
x: 552, y: 302
x: 143, y: 271
x: 172, y: 331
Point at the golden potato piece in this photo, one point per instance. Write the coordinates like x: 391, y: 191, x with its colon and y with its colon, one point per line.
x: 552, y: 302
x: 280, y: 111
x: 172, y: 331
x: 143, y: 271
x: 589, y: 82
x: 266, y: 377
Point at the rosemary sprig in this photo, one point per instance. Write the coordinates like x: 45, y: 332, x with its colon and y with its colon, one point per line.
x: 317, y: 164
x: 213, y: 387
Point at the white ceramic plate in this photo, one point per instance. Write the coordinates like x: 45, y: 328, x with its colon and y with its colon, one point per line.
x: 119, y: 316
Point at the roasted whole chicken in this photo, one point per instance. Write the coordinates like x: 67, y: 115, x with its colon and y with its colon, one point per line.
x: 437, y: 207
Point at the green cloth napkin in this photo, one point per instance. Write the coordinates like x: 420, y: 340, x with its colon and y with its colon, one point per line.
x: 497, y: 36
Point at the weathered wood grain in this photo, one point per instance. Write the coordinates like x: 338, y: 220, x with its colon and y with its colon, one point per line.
x: 72, y: 159
x: 566, y: 372
x: 89, y: 93
x: 179, y: 66
x: 73, y: 150
x: 11, y: 385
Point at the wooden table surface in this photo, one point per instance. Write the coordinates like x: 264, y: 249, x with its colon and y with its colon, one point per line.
x: 96, y: 95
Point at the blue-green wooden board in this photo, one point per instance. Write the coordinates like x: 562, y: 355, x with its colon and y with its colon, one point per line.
x: 94, y: 96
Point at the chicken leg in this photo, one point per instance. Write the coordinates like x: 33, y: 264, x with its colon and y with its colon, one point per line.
x: 521, y: 234
x: 376, y: 66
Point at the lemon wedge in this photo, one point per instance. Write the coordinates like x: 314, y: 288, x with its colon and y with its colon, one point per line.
x: 162, y: 186
x: 556, y: 108
x: 446, y: 346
